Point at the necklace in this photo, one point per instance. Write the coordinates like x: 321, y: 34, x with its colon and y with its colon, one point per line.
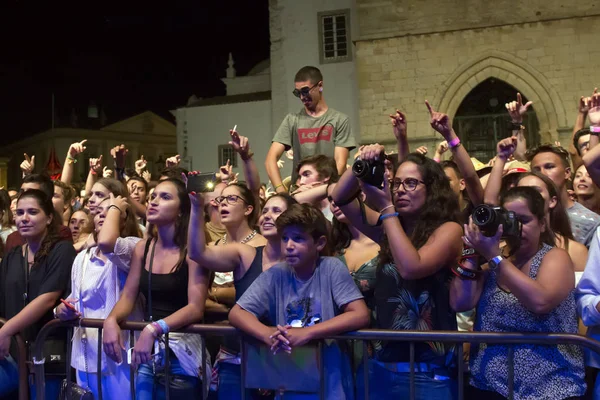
x: 244, y: 240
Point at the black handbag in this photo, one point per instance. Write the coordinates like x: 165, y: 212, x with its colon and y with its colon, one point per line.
x: 74, y: 392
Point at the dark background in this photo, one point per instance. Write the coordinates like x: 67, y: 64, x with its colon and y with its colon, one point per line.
x: 125, y: 64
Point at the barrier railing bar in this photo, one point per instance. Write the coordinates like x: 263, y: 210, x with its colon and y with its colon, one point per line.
x: 511, y: 372
x: 412, y: 371
x: 131, y: 371
x: 365, y: 358
x: 99, y: 364
x: 68, y: 363
x: 461, y: 371
x: 367, y: 334
x: 321, y: 370
x: 167, y: 368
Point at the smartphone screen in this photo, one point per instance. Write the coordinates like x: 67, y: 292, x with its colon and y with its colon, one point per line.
x: 201, y: 183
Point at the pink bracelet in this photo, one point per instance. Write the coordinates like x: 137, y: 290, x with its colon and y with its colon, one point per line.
x: 595, y: 129
x: 454, y: 142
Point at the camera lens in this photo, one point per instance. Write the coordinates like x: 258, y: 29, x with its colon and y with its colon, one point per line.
x: 359, y: 168
x: 482, y: 215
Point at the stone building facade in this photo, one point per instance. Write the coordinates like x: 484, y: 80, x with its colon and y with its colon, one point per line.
x: 409, y: 51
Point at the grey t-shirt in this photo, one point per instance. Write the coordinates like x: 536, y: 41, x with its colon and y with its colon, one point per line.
x: 278, y: 297
x: 309, y: 135
x: 583, y: 223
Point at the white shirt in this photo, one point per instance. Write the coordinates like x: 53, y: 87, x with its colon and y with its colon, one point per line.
x: 98, y: 289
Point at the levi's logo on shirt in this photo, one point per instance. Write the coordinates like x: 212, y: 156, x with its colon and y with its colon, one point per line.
x: 314, y: 135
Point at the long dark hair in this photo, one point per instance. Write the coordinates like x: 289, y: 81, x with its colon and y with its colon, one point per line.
x: 52, y: 230
x: 341, y: 237
x: 441, y: 205
x: 117, y: 188
x: 559, y: 220
x: 7, y: 216
x: 535, y: 203
x: 181, y: 222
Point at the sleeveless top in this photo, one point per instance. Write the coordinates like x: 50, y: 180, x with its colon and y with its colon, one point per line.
x: 169, y: 291
x: 541, y: 372
x: 364, y: 277
x: 420, y: 304
x: 256, y: 268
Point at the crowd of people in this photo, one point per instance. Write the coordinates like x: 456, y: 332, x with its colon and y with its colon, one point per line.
x: 390, y: 240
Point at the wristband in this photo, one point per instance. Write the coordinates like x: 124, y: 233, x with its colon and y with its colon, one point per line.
x: 594, y: 129
x: 93, y: 172
x: 248, y: 156
x: 114, y: 206
x: 386, y: 216
x: 516, y: 126
x: 454, y: 143
x: 465, y: 273
x: 385, y: 208
x: 152, y: 330
x: 436, y: 159
x: 278, y: 186
x: 163, y: 326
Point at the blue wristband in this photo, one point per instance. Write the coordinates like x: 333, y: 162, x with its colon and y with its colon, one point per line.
x: 390, y: 215
x: 163, y: 325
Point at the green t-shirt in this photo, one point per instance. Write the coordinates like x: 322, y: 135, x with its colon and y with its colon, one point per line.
x: 308, y: 135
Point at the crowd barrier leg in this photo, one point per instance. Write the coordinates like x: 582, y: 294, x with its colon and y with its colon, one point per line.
x: 131, y: 371
x: 461, y: 370
x: 167, y: 367
x: 365, y: 357
x: 204, y: 377
x: 321, y: 370
x: 412, y: 371
x: 511, y: 372
x: 243, y: 368
x: 99, y: 365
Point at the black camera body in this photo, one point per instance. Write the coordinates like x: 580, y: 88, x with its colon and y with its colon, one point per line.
x: 489, y: 218
x: 371, y: 172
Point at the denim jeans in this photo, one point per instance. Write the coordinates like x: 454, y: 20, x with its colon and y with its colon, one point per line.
x: 9, y: 376
x: 114, y: 386
x: 230, y: 382
x: 146, y: 388
x: 386, y: 384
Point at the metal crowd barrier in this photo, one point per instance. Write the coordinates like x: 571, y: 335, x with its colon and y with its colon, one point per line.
x: 22, y: 364
x: 365, y: 335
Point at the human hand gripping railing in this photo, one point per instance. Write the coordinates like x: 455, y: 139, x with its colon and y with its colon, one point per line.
x: 22, y: 364
x: 412, y: 337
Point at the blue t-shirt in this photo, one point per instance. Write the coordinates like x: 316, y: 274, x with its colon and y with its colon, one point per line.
x: 277, y: 296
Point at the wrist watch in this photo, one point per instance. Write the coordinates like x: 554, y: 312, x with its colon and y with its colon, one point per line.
x: 494, y: 262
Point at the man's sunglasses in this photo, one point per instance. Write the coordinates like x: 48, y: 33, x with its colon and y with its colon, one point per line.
x: 305, y: 91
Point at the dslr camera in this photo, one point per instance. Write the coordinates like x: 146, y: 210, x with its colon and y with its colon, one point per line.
x: 371, y: 171
x: 489, y: 218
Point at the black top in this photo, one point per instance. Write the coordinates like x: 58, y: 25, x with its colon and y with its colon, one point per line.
x: 51, y: 274
x: 169, y: 291
x: 256, y: 268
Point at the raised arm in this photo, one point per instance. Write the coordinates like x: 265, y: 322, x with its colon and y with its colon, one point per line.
x: 582, y: 112
x: 504, y: 149
x: 441, y: 123
x: 242, y: 146
x: 588, y: 290
x: 274, y: 154
x: 95, y: 169
x: 27, y: 165
x: 111, y: 228
x: 69, y: 166
x: 118, y: 154
x: 232, y: 257
x: 399, y: 128
x: 516, y: 110
x: 592, y: 158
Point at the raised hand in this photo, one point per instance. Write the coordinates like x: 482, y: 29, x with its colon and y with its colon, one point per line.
x: 140, y: 165
x: 516, y: 109
x: 442, y: 147
x: 107, y: 173
x: 240, y: 144
x: 594, y: 113
x: 120, y: 202
x: 147, y: 176
x: 506, y: 147
x: 226, y: 171
x: 119, y: 153
x: 28, y: 164
x: 440, y: 122
x: 584, y: 104
x: 77, y: 148
x: 399, y: 124
x: 173, y: 161
x: 371, y: 152
x: 422, y: 150
x: 96, y: 164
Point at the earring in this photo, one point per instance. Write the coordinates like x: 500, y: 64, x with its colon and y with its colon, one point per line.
x: 321, y: 89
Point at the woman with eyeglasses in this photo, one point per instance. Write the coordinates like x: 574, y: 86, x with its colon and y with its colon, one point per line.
x: 246, y: 263
x: 416, y: 224
x: 527, y: 285
x: 97, y: 279
x: 175, y: 290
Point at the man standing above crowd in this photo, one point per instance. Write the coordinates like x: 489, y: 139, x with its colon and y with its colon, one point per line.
x: 316, y: 129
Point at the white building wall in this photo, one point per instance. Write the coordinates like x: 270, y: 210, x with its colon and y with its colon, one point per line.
x: 299, y: 27
x: 208, y: 127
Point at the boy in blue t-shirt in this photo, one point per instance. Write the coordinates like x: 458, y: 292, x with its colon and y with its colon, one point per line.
x: 307, y: 297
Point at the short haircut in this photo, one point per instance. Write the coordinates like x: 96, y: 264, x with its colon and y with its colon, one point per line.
x: 173, y: 173
x: 550, y: 148
x: 44, y: 181
x: 324, y: 165
x: 452, y: 165
x: 67, y: 190
x: 309, y: 218
x: 308, y: 73
x: 577, y: 136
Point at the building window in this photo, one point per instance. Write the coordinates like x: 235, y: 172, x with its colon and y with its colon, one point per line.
x: 334, y: 36
x: 226, y: 152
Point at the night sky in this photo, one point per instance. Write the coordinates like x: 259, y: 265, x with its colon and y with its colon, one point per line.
x: 125, y: 64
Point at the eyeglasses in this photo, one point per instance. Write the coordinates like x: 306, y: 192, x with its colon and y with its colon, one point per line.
x: 409, y: 184
x: 305, y: 91
x: 231, y: 199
